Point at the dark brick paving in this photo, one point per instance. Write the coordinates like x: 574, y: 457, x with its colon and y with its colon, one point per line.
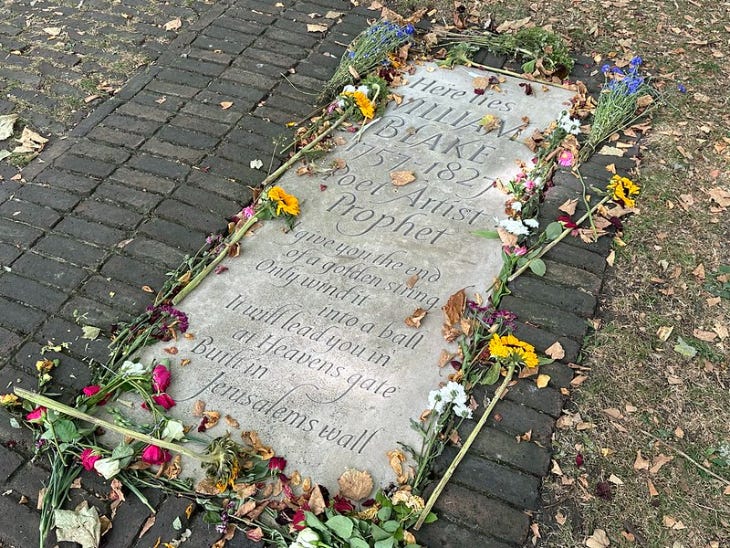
x: 152, y: 170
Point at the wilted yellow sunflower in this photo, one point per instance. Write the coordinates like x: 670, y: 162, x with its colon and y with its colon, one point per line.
x: 623, y: 188
x: 284, y: 202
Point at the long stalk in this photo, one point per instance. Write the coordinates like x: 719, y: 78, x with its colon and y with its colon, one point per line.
x: 75, y: 413
x: 465, y: 448
x: 238, y: 234
x: 557, y: 240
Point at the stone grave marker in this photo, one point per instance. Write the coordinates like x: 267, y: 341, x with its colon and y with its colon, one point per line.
x: 303, y: 338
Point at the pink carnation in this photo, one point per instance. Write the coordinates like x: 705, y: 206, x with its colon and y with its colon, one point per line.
x: 91, y: 390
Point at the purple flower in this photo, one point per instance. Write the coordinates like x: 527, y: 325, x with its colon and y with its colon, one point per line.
x: 681, y: 88
x: 636, y: 61
x: 605, y: 68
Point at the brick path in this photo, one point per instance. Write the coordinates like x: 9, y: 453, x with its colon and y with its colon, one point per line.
x: 152, y: 171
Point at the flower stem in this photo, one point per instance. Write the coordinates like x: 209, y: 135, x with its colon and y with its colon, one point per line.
x: 238, y: 234
x: 75, y: 413
x: 557, y: 240
x: 465, y: 448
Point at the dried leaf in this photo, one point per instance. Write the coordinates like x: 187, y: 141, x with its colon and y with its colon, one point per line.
x: 402, y: 178
x: 454, y: 307
x: 7, y: 121
x: 233, y: 423
x: 664, y: 332
x: 355, y: 484
x: 317, y: 28
x: 81, y: 525
x: 707, y: 336
x: 173, y: 25
x: 198, y: 408
x: 225, y: 105
x: 414, y: 320
x: 599, y: 539
x: 53, y: 32
x: 333, y: 15
x: 569, y: 206
x: 490, y: 122
x: 149, y: 523
x: 672, y: 523
x: 658, y: 462
x: 542, y: 380
x: 613, y: 478
x: 256, y: 164
x: 317, y: 504
x: 555, y: 351
x: 613, y: 413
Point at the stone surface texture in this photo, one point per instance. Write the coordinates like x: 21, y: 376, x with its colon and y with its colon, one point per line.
x: 141, y: 181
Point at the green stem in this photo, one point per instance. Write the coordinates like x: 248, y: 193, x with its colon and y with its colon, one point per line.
x: 585, y: 201
x: 557, y: 240
x: 238, y: 234
x: 465, y: 448
x: 75, y: 413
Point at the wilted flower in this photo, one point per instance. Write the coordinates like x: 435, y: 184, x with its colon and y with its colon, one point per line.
x: 37, y: 415
x: 174, y: 430
x: 298, y: 520
x: 160, y: 378
x: 342, y: 505
x: 164, y: 400
x: 277, y: 464
x: 155, y: 455
x: 107, y: 467
x: 88, y: 458
x: 9, y: 400
x: 566, y: 158
x: 131, y: 368
x: 623, y: 188
x: 285, y: 203
x: 91, y: 390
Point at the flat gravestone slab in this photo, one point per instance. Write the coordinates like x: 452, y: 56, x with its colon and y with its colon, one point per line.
x: 303, y: 339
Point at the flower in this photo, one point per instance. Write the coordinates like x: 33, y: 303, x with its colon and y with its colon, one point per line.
x: 160, y: 378
x: 155, y: 455
x: 454, y: 392
x: 174, y: 430
x: 566, y: 158
x: 130, y: 368
x: 514, y: 226
x: 9, y: 400
x: 510, y: 347
x: 307, y: 538
x: 284, y: 202
x: 107, y: 467
x: 277, y: 464
x: 91, y: 390
x: 366, y: 106
x: 636, y: 61
x: 298, y: 520
x: 623, y: 188
x: 37, y: 415
x: 89, y: 457
x: 342, y: 505
x: 515, y: 250
x: 681, y: 88
x: 462, y: 411
x: 248, y: 212
x: 436, y: 401
x: 164, y: 400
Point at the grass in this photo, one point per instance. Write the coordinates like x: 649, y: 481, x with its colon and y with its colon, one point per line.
x: 639, y: 389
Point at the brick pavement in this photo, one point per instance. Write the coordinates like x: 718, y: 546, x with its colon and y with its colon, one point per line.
x: 141, y: 182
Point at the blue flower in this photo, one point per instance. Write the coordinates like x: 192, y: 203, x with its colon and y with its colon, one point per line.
x: 605, y: 68
x: 681, y: 88
x: 409, y: 29
x: 617, y: 70
x: 351, y: 54
x: 636, y: 61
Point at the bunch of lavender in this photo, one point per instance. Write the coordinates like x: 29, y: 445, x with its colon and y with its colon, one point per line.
x: 369, y: 50
x: 625, y: 98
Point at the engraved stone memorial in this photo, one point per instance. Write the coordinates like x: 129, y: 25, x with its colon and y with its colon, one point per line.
x: 303, y: 338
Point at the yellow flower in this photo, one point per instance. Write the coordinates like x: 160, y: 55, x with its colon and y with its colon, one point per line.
x: 9, y: 400
x: 623, y: 188
x: 509, y: 347
x: 366, y: 106
x: 44, y: 366
x: 284, y: 202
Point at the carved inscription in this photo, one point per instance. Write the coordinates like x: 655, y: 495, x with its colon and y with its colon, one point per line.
x: 303, y: 338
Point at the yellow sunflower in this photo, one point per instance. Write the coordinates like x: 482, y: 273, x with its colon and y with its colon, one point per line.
x: 284, y: 202
x: 623, y: 188
x: 510, y: 347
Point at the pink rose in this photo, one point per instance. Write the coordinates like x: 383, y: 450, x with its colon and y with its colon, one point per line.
x: 164, y: 400
x: 160, y: 378
x: 37, y: 415
x: 155, y: 455
x: 88, y: 458
x: 91, y: 390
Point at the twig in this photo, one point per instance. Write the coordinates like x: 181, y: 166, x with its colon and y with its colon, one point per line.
x: 75, y: 413
x: 465, y: 448
x: 520, y: 76
x: 686, y: 456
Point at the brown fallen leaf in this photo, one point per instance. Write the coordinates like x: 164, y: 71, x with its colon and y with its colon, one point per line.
x: 613, y: 413
x: 569, y: 206
x: 454, y: 307
x: 414, y: 320
x: 402, y: 178
x: 658, y: 462
x: 147, y: 525
x: 490, y: 122
x: 599, y: 539
x: 225, y: 105
x: 317, y: 28
x: 173, y: 24
x: 198, y: 408
x: 542, y: 380
x: 555, y: 351
x: 707, y: 336
x: 355, y: 484
x: 671, y: 522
